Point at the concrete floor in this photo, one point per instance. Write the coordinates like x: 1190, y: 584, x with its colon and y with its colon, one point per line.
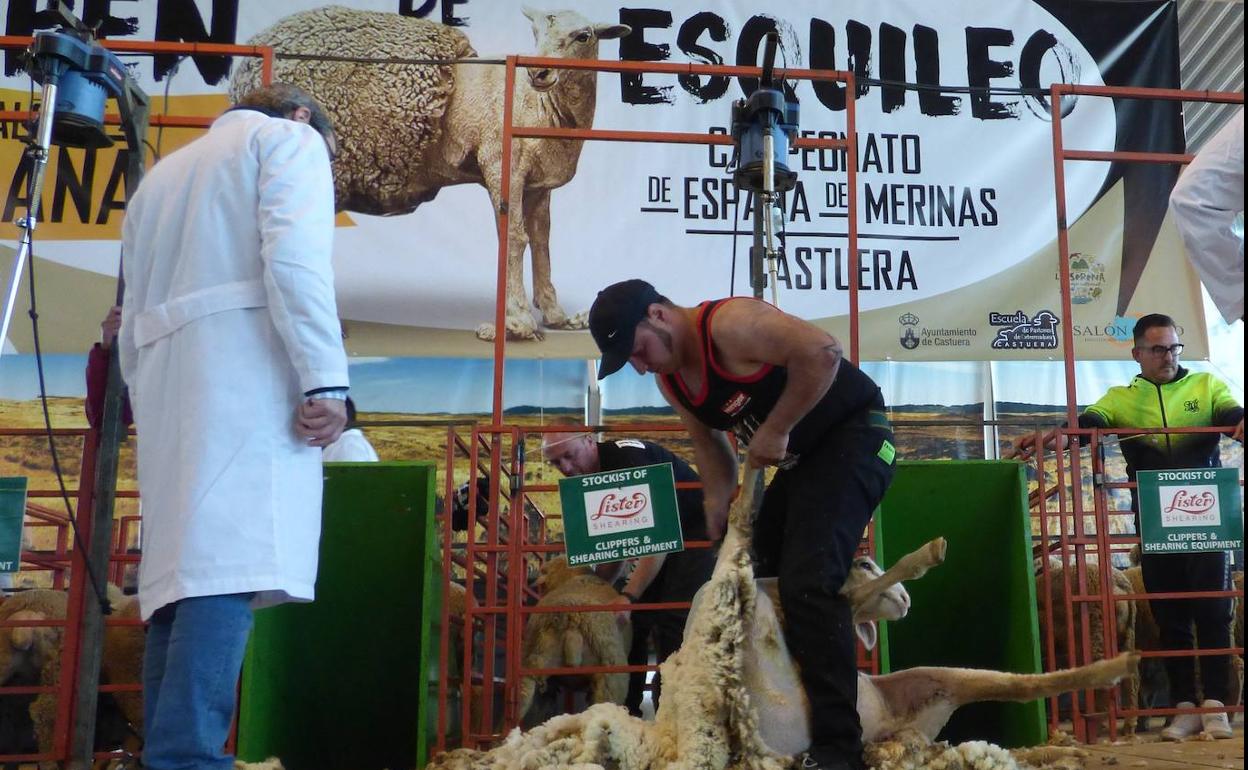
x: 1153, y: 754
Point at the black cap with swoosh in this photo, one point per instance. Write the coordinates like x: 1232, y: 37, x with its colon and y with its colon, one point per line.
x: 613, y: 320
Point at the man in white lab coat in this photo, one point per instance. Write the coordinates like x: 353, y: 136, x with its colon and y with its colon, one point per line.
x: 1208, y: 208
x: 231, y: 346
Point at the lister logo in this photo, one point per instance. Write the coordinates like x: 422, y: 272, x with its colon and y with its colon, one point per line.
x: 622, y: 509
x: 1190, y: 506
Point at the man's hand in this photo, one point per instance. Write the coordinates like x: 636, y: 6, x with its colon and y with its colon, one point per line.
x: 1025, y: 446
x: 110, y: 326
x: 1238, y: 433
x: 320, y: 421
x: 767, y: 447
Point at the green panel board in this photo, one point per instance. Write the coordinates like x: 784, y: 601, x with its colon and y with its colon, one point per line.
x: 978, y: 609
x: 338, y: 684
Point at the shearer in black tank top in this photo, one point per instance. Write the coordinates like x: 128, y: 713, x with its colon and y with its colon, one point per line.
x: 782, y: 386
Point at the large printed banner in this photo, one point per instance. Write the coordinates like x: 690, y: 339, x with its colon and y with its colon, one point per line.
x: 957, y: 254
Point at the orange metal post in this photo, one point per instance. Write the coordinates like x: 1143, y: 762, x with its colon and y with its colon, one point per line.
x: 851, y: 244
x: 504, y: 224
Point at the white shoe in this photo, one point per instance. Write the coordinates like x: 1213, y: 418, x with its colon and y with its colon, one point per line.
x: 1217, y: 725
x: 1184, y: 725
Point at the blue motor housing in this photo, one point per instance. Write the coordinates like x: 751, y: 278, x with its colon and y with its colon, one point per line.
x: 765, y: 110
x: 86, y: 75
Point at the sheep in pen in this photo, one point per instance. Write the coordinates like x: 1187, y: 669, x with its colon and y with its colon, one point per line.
x: 733, y: 700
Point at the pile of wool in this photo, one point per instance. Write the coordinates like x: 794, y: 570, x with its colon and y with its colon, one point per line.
x: 909, y: 750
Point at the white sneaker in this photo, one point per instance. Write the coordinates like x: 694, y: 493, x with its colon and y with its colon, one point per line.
x: 1184, y: 725
x: 1217, y: 725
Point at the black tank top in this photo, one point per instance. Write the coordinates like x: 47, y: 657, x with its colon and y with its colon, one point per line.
x: 740, y: 404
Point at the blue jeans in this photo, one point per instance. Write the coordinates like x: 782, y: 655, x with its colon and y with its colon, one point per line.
x: 191, y: 665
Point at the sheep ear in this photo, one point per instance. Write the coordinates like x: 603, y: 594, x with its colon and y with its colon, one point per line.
x: 611, y: 31
x: 530, y: 13
x: 868, y: 633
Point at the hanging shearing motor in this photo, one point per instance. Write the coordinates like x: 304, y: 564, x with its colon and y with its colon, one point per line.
x: 762, y: 127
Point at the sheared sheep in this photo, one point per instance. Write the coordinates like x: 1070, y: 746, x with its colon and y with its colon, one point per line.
x: 710, y: 720
x: 35, y: 652
x: 405, y: 131
x: 575, y: 638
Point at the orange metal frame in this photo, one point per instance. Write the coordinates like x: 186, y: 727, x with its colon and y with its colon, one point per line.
x: 498, y: 439
x: 262, y: 52
x: 64, y: 559
x: 512, y: 132
x: 1070, y: 494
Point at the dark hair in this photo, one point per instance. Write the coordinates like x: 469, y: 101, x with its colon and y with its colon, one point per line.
x: 1151, y: 321
x: 285, y: 98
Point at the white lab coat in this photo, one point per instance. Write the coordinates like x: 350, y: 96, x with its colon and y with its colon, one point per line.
x: 1205, y: 202
x: 351, y: 447
x: 229, y: 318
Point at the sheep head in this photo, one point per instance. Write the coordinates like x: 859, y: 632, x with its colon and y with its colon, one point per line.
x: 893, y: 603
x: 566, y: 35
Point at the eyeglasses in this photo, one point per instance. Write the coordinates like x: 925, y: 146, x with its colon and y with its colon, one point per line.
x: 1161, y: 350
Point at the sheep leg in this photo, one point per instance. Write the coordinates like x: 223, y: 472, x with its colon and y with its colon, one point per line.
x: 545, y: 651
x: 43, y: 709
x: 537, y: 225
x: 519, y: 321
x: 606, y: 643
x: 926, y: 697
x: 909, y: 567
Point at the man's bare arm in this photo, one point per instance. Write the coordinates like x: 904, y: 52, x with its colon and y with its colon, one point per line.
x: 750, y: 334
x: 717, y: 466
x: 644, y: 573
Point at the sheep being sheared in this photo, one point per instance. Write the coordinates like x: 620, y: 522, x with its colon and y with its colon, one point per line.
x: 709, y: 718
x: 405, y: 131
x: 914, y: 701
x: 558, y: 639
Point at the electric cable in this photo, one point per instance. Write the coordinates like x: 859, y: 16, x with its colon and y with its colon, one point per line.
x: 100, y: 594
x: 160, y: 130
x: 33, y: 312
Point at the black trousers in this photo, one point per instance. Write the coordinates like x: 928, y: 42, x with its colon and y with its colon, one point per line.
x: 1176, y: 618
x: 666, y: 629
x: 807, y: 533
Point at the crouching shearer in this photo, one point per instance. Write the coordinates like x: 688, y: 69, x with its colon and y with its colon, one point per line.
x: 783, y: 388
x: 670, y: 577
x: 232, y: 349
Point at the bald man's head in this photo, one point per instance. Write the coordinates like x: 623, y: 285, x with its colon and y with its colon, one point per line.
x: 574, y: 453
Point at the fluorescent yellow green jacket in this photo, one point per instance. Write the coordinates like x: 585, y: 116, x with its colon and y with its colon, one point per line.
x: 1191, y: 399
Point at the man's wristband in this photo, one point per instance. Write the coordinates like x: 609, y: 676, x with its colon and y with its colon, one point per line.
x: 632, y: 599
x: 339, y: 394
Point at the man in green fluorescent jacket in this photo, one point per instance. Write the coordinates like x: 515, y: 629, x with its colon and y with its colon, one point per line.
x: 1165, y: 395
